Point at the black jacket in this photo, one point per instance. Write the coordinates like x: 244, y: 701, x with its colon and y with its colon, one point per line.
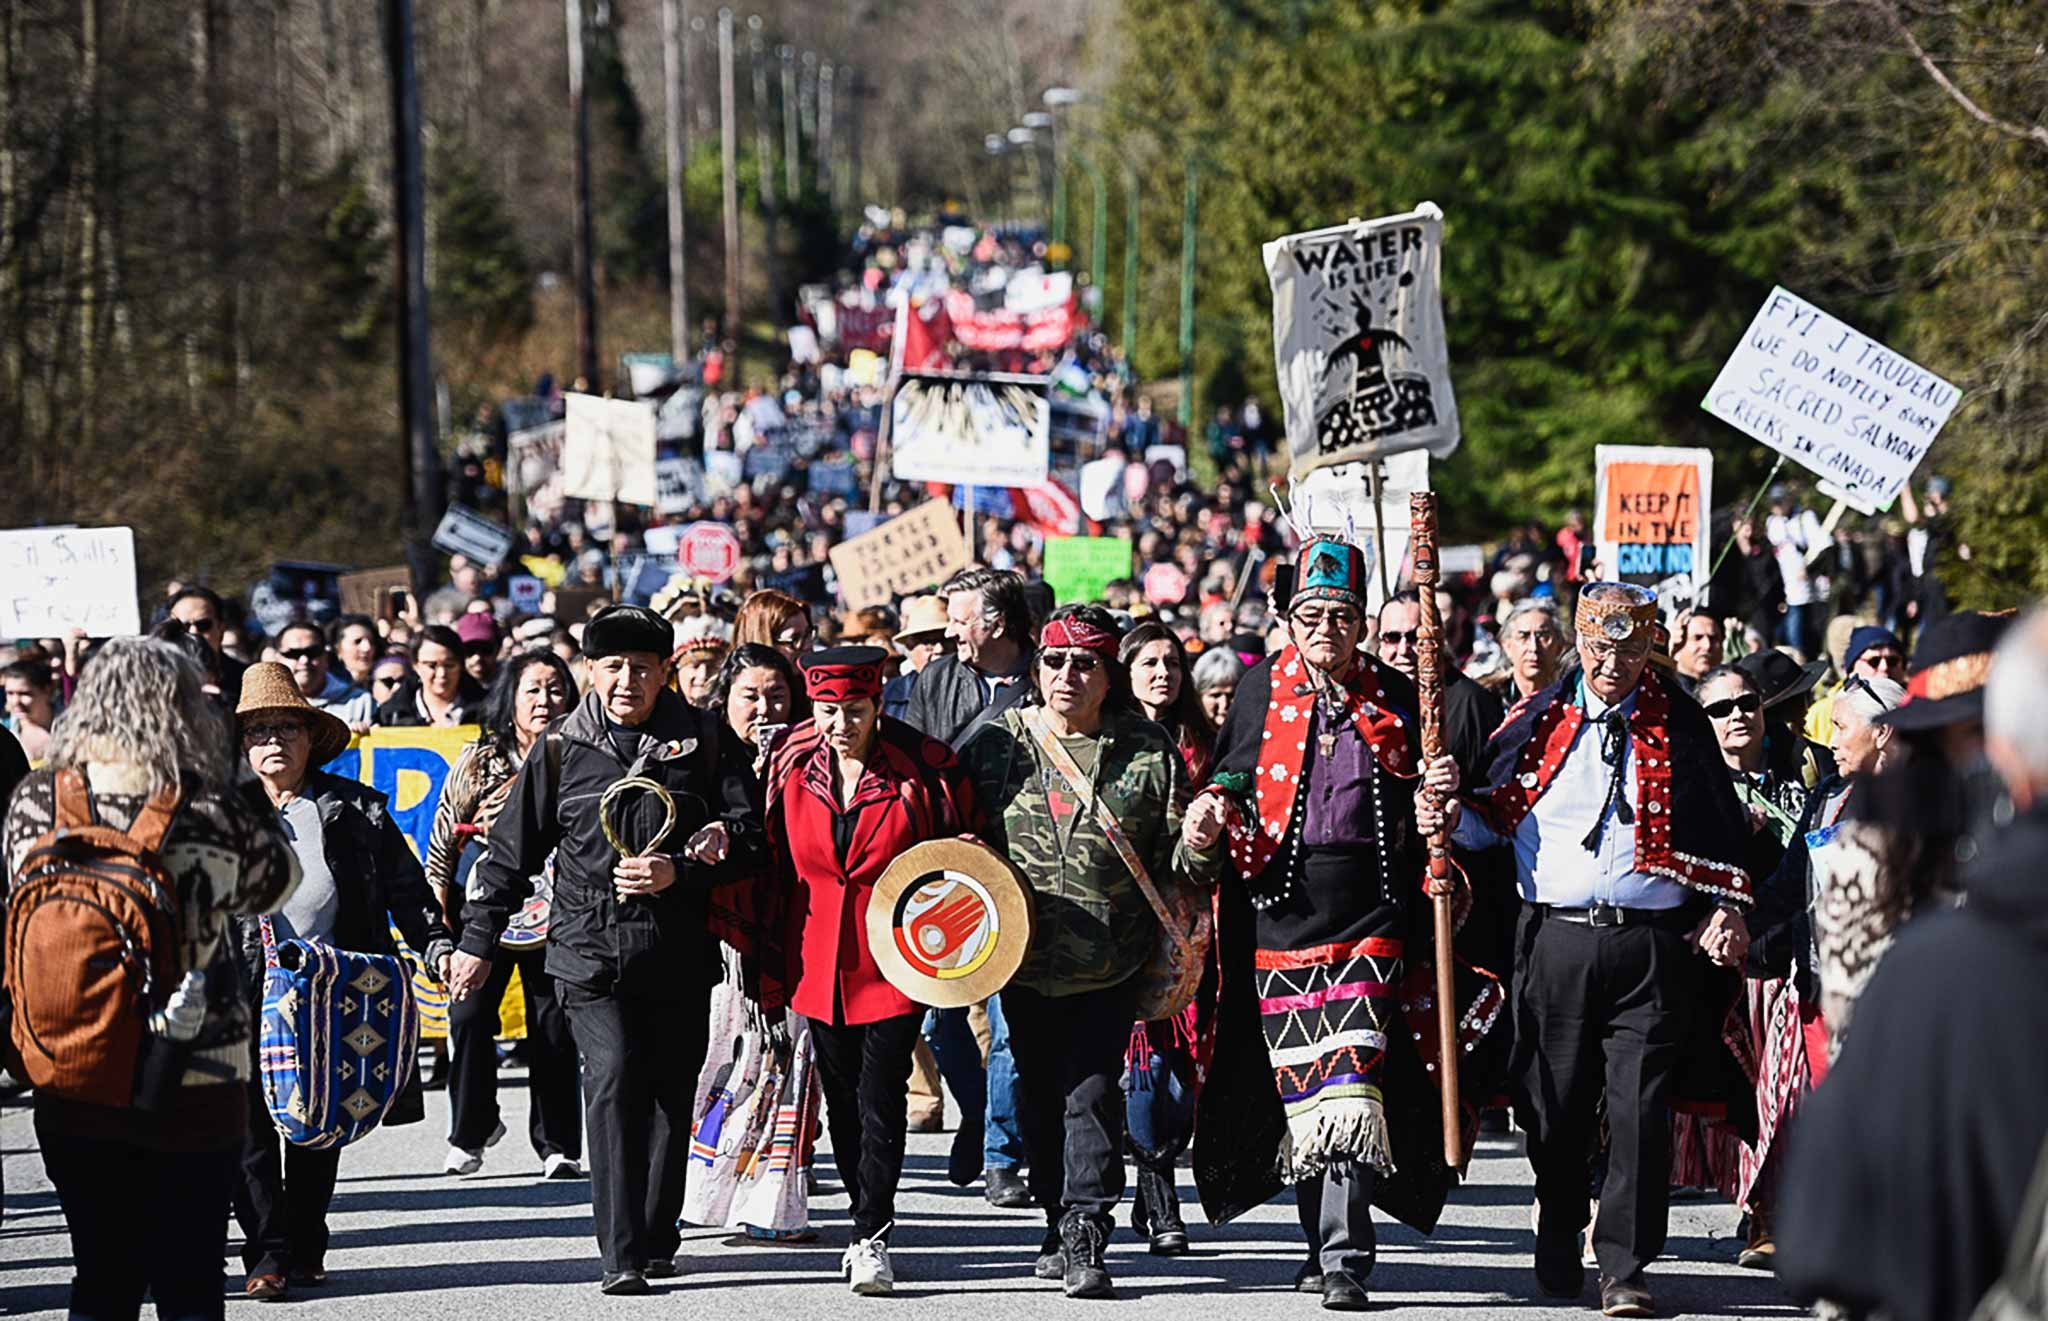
x: 948, y: 695
x: 402, y: 708
x: 379, y: 884
x: 1909, y: 1166
x: 1471, y: 713
x: 658, y: 947
x: 1781, y: 942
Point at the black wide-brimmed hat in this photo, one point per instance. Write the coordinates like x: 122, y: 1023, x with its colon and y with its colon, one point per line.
x: 1950, y: 664
x: 1779, y: 678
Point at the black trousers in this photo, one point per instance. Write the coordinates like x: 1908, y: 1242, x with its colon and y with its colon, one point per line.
x: 555, y: 1120
x: 1335, y: 1209
x: 281, y: 1202
x: 141, y: 1221
x: 1602, y: 1012
x: 1070, y: 1053
x: 641, y: 1058
x: 865, y: 1074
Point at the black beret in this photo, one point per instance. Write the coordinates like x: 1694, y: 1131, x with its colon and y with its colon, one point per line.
x: 622, y: 628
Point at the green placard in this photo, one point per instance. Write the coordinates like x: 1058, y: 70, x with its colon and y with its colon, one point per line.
x: 1078, y: 568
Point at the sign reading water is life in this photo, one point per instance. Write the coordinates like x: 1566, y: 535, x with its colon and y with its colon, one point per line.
x: 53, y: 580
x: 1829, y: 397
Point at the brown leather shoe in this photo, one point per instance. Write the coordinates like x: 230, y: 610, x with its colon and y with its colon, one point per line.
x: 264, y: 1288
x: 1630, y: 1297
x: 1761, y: 1252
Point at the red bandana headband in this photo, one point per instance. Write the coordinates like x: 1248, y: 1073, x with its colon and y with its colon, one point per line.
x: 1074, y: 631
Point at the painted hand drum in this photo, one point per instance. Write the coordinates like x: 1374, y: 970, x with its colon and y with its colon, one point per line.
x: 949, y: 923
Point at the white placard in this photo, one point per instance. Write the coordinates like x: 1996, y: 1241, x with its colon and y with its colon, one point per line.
x: 1358, y: 340
x: 53, y: 580
x: 608, y: 450
x: 1338, y: 500
x: 466, y: 532
x: 980, y: 431
x: 1832, y: 399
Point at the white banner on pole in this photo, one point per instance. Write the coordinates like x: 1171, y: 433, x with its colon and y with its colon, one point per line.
x: 1338, y: 500
x: 608, y: 450
x: 53, y: 580
x: 1358, y: 340
x: 970, y: 431
x: 1832, y: 399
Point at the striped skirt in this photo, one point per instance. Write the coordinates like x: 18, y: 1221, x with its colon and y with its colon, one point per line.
x: 1326, y: 1011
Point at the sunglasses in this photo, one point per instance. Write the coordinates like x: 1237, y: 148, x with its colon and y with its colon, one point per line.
x: 1394, y: 637
x: 386, y: 680
x: 273, y: 732
x: 1080, y: 663
x: 304, y: 653
x: 1747, y: 703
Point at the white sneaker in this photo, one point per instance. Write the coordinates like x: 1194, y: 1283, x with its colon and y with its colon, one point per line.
x: 558, y: 1166
x: 468, y: 1160
x: 868, y: 1267
x: 846, y: 1261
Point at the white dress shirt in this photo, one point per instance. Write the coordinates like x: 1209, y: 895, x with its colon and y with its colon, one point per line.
x: 1552, y: 863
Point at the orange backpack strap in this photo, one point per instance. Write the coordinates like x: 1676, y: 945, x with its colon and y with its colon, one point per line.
x: 74, y: 800
x: 153, y: 822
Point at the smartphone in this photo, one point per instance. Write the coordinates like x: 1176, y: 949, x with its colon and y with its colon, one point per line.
x: 766, y: 734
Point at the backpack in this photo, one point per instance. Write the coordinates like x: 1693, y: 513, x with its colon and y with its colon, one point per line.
x: 92, y: 947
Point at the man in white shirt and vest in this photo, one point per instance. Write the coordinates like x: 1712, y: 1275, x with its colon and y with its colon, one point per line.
x: 1626, y: 834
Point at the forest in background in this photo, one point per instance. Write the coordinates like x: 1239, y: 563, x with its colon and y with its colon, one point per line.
x: 195, y: 236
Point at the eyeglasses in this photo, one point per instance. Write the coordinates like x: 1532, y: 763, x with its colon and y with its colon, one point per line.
x: 1747, y: 703
x: 285, y: 731
x: 304, y: 653
x: 1394, y: 637
x: 1080, y: 662
x: 1311, y: 620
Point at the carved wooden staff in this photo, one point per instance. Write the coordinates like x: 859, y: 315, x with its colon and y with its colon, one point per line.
x: 1429, y: 681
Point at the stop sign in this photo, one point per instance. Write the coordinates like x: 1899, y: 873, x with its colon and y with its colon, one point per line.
x: 708, y: 550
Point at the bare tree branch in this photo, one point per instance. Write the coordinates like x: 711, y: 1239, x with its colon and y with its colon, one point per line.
x: 2033, y: 133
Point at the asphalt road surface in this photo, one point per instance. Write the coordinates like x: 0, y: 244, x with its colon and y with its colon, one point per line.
x: 411, y: 1243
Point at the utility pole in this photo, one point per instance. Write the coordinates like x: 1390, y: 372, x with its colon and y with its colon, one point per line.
x: 586, y: 280
x: 1187, y: 300
x: 764, y: 158
x: 421, y: 507
x: 825, y: 131
x: 856, y: 110
x: 1130, y: 259
x: 677, y: 146
x: 728, y: 137
x: 792, y: 128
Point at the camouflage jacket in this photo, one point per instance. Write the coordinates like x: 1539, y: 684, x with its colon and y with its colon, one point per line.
x: 1092, y: 926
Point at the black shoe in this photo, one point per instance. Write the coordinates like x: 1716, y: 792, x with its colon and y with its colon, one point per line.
x: 1560, y: 1265
x: 1630, y: 1297
x: 1341, y: 1293
x: 1155, y: 1213
x: 1005, y: 1188
x: 1085, y: 1237
x: 662, y: 1268
x: 1052, y: 1258
x: 623, y: 1283
x: 1309, y: 1279
x: 963, y: 1163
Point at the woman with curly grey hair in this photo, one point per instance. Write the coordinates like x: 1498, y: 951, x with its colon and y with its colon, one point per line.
x: 146, y: 1190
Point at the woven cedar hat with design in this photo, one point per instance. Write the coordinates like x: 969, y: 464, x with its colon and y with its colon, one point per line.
x: 1950, y: 664
x: 269, y: 689
x: 949, y: 922
x: 1326, y: 569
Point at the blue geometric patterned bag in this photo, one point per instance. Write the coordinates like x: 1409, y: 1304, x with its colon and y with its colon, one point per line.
x: 340, y: 1031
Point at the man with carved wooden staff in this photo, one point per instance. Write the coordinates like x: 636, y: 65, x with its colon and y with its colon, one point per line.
x: 1325, y: 1035
x: 646, y: 803
x: 1627, y: 839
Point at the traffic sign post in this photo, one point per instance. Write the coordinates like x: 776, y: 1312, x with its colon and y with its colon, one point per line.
x: 708, y: 550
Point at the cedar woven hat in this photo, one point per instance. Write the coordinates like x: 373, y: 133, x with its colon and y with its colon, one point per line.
x: 268, y: 688
x: 1950, y: 664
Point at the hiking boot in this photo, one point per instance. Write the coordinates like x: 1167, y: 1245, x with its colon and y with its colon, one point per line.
x: 1760, y: 1253
x: 1085, y: 1237
x: 1155, y: 1213
x: 1052, y: 1258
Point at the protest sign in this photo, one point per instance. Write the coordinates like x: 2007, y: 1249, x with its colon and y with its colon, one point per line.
x: 678, y: 484
x: 524, y: 591
x: 661, y: 539
x: 1461, y: 561
x: 835, y: 478
x: 571, y: 605
x: 1358, y: 340
x: 466, y: 532
x: 1166, y: 584
x: 1650, y: 513
x: 647, y: 372
x: 805, y: 583
x: 608, y: 450
x: 1832, y: 399
x: 970, y: 431
x: 53, y: 580
x: 708, y: 550
x: 533, y: 470
x: 767, y: 461
x: 803, y: 344
x: 365, y: 591
x: 524, y: 413
x: 912, y: 552
x: 1079, y: 568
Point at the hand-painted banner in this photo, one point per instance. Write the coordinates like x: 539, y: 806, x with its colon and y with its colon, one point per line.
x: 989, y: 430
x: 1358, y: 340
x: 1650, y: 520
x: 1833, y: 399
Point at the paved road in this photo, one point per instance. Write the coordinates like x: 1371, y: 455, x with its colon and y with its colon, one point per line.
x: 412, y: 1243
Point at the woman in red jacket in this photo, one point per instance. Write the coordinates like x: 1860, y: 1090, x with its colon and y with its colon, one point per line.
x: 848, y: 791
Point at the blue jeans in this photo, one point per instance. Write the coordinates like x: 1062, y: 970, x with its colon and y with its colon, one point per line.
x: 991, y: 1092
x: 1159, y: 1104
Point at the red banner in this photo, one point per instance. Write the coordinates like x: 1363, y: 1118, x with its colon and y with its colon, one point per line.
x: 925, y: 332
x: 1041, y: 331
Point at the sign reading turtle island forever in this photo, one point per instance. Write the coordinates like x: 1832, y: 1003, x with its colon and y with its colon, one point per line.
x: 1831, y: 398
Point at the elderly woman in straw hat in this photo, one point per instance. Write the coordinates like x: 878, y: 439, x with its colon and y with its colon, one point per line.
x: 357, y: 866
